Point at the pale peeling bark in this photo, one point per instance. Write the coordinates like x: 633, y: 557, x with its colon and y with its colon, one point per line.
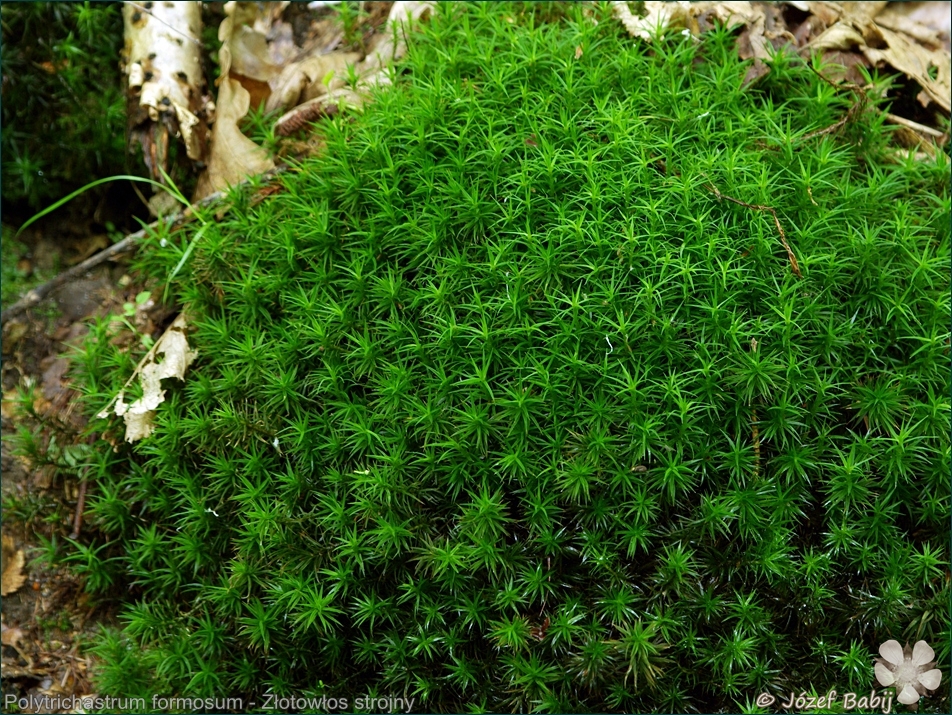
x: 162, y: 59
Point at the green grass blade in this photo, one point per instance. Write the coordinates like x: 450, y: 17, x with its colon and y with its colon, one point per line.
x: 88, y: 186
x: 185, y: 256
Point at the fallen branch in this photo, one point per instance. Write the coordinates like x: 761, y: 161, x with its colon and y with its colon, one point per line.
x: 130, y: 242
x: 36, y: 295
x: 915, y: 126
x: 757, y: 207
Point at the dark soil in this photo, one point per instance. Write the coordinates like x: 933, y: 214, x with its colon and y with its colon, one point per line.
x: 49, y: 619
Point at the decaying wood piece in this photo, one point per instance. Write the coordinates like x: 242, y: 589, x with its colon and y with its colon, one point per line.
x: 162, y: 59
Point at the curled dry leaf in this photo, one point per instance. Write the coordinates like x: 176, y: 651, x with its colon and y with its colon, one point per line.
x: 762, y: 22
x: 887, y: 35
x: 664, y: 15
x: 139, y: 416
x: 390, y: 44
x: 259, y: 65
x: 243, y: 34
x: 244, y: 53
x: 10, y: 635
x: 12, y: 576
x: 660, y: 15
x: 234, y: 157
x: 310, y: 78
x: 927, y: 22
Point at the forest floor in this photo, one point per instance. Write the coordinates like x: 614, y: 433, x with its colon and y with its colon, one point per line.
x: 48, y: 618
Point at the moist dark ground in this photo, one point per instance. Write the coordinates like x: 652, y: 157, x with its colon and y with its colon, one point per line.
x: 48, y: 620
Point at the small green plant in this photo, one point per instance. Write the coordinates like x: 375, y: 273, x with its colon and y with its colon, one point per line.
x: 258, y: 125
x: 350, y: 19
x: 16, y: 278
x: 168, y: 187
x: 129, y: 311
x: 503, y: 404
x: 63, y: 106
x: 26, y: 508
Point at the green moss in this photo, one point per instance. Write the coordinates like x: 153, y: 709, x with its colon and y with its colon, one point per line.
x: 499, y: 407
x: 14, y: 280
x: 63, y: 107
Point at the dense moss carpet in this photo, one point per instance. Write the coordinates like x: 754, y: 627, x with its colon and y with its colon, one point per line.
x: 499, y: 406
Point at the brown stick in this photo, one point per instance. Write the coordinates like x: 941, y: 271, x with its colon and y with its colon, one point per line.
x: 833, y: 127
x: 854, y: 109
x: 36, y: 295
x: 80, y: 507
x: 757, y: 207
x: 129, y: 243
x: 915, y: 126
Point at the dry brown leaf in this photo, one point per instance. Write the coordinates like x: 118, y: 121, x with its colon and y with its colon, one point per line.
x: 918, y: 63
x: 660, y: 15
x: 887, y: 36
x: 256, y: 57
x: 310, y: 78
x: 827, y: 12
x: 864, y: 11
x: 12, y: 576
x: 882, y: 32
x: 139, y: 416
x: 234, y: 157
x: 754, y: 41
x: 391, y: 42
x: 8, y: 407
x: 10, y: 635
x: 389, y: 45
x: 926, y: 22
x: 244, y: 42
x: 666, y: 15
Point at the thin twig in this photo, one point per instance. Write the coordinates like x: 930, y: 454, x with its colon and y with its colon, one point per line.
x: 129, y: 243
x: 833, y: 127
x: 915, y: 126
x: 834, y: 85
x: 80, y: 507
x: 861, y: 104
x: 851, y: 113
x: 757, y: 207
x: 36, y: 295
